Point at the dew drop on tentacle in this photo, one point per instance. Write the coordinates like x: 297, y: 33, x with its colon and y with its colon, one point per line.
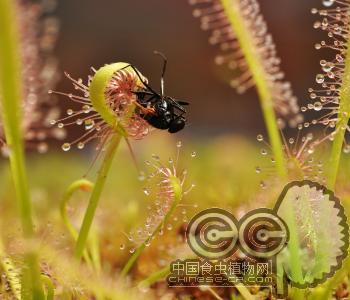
x: 42, y: 147
x: 146, y: 191
x: 70, y: 112
x: 319, y: 78
x: 66, y: 147
x: 155, y: 157
x: 141, y: 176
x: 89, y: 124
x: 346, y: 149
x: 86, y: 109
x: 80, y: 145
x: 317, y: 106
x: 328, y: 3
x: 260, y: 137
x: 263, y: 152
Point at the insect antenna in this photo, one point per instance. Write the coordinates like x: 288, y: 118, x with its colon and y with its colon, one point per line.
x: 165, y: 61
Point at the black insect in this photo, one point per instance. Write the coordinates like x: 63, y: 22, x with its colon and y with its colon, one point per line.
x: 160, y: 111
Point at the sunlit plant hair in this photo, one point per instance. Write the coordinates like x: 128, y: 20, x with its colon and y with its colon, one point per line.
x: 300, y: 156
x: 104, y: 110
x: 239, y: 29
x: 332, y: 98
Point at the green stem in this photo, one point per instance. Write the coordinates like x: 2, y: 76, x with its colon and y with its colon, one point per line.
x: 154, y: 277
x: 95, y: 196
x: 11, y: 97
x: 337, y: 146
x: 343, y: 119
x: 334, y: 160
x: 244, y: 291
x: 324, y: 292
x: 298, y: 294
x: 98, y: 99
x: 256, y: 68
x: 177, y: 188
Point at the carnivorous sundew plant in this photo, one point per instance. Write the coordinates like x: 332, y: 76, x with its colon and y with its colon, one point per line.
x: 332, y: 98
x: 104, y: 104
x: 239, y: 29
x: 167, y: 185
x: 107, y: 112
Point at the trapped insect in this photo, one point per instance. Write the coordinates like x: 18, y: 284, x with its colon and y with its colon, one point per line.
x: 160, y: 111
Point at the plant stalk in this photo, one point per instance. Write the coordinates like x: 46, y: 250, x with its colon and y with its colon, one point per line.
x: 95, y: 195
x: 342, y: 122
x: 256, y: 68
x: 11, y: 98
x: 334, y: 160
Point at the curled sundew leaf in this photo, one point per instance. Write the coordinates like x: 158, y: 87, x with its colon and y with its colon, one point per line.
x: 81, y: 184
x: 107, y: 105
x: 168, y: 181
x: 239, y: 29
x: 319, y: 234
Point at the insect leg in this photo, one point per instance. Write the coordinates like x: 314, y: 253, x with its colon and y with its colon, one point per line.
x: 176, y: 104
x: 181, y: 102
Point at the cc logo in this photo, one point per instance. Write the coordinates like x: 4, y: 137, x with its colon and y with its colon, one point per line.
x: 216, y: 234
